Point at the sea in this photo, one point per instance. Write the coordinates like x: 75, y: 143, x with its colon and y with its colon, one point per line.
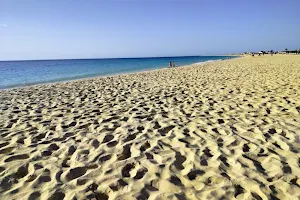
x: 31, y: 72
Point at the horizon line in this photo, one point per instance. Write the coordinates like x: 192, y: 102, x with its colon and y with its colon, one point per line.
x: 109, y: 58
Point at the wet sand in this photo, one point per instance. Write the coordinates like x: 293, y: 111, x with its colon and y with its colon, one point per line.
x: 222, y: 130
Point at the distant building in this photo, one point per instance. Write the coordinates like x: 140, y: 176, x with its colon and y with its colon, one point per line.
x: 292, y: 51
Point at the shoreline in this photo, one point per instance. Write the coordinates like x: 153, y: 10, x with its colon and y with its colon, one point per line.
x: 104, y: 76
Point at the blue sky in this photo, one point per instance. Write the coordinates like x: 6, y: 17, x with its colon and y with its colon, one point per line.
x: 37, y: 29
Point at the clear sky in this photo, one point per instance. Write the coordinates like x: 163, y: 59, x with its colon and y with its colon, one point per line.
x: 38, y: 29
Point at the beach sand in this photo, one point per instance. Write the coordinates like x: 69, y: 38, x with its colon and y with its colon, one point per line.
x: 222, y: 130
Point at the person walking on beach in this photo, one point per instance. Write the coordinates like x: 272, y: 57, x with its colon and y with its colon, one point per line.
x: 171, y: 64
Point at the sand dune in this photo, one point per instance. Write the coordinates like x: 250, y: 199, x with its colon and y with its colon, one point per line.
x: 223, y: 130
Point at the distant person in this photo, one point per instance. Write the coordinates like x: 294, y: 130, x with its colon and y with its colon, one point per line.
x: 170, y: 64
x: 173, y: 64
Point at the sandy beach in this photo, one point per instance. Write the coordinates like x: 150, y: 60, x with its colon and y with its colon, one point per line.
x: 221, y: 130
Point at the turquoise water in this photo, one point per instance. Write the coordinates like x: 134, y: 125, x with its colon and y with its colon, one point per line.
x: 22, y: 73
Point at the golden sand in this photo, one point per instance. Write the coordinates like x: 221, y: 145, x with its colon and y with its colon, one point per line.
x: 222, y: 130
